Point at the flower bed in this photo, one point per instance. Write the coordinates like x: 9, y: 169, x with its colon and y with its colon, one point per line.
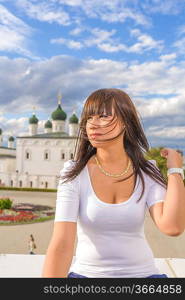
x: 25, y: 213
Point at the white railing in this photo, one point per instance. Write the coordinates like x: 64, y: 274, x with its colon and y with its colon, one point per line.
x: 19, y: 265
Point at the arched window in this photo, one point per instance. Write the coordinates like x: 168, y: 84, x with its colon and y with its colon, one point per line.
x: 31, y: 184
x: 46, y: 155
x: 11, y: 183
x: 46, y: 185
x: 27, y: 154
x: 20, y: 183
x: 62, y: 155
x: 72, y: 156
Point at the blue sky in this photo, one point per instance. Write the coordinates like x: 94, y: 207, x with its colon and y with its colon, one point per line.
x: 77, y: 46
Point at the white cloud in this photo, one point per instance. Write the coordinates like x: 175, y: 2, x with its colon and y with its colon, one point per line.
x: 181, y: 30
x: 71, y: 2
x: 108, y: 42
x: 167, y: 7
x: 77, y: 31
x: 161, y: 107
x: 10, y: 20
x: 107, y: 47
x: 26, y: 79
x: 169, y: 57
x: 122, y: 16
x: 176, y: 132
x: 98, y: 36
x: 145, y: 42
x: 162, y: 77
x: 44, y: 11
x: 18, y: 127
x: 180, y: 45
x: 69, y: 43
x: 113, y: 11
x: 14, y: 33
x: 57, y: 11
x: 67, y: 12
x: 156, y: 88
x: 12, y: 126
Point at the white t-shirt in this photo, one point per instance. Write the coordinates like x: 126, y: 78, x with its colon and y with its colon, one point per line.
x: 111, y: 239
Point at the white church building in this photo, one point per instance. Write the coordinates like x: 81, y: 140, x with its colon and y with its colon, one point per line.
x: 37, y: 159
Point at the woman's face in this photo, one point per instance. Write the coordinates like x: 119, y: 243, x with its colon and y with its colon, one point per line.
x: 105, y: 125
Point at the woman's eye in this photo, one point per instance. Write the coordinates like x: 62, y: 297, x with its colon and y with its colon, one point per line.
x: 104, y: 116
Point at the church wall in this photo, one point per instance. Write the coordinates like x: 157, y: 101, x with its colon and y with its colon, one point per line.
x: 7, y: 165
x: 43, y: 156
x: 35, y: 171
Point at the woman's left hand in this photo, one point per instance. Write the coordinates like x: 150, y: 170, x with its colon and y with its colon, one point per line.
x: 174, y: 158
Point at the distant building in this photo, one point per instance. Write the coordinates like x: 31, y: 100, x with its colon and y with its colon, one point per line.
x: 37, y: 159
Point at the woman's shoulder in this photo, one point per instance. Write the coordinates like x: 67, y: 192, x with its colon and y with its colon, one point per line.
x: 153, y: 161
x: 69, y: 162
x: 67, y: 165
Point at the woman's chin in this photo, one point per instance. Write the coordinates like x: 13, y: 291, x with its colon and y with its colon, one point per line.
x: 95, y: 141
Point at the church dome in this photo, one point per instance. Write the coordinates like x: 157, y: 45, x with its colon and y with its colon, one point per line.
x: 59, y: 114
x: 48, y: 124
x: 11, y: 139
x: 73, y: 119
x: 33, y: 119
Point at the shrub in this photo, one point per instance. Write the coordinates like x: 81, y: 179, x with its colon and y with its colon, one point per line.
x: 5, y: 203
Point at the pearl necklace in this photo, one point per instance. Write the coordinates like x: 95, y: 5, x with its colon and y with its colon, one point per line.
x: 112, y: 175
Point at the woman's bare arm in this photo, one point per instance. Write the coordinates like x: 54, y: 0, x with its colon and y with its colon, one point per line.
x: 170, y: 215
x: 60, y: 251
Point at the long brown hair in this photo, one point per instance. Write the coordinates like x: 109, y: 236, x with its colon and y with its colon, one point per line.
x: 134, y: 141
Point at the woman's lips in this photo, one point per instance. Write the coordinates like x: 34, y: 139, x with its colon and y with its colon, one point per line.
x: 94, y: 135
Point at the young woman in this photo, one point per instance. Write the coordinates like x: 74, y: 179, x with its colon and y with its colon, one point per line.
x: 109, y: 187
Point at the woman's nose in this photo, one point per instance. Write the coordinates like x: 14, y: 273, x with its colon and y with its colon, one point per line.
x: 93, y: 122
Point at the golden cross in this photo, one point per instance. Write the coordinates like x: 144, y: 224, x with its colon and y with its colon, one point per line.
x: 59, y: 97
x: 34, y: 108
x: 74, y: 108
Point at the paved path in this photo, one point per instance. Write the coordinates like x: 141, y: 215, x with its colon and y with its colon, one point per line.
x: 14, y: 238
x: 30, y: 197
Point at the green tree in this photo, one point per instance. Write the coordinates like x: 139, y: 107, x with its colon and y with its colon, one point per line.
x: 154, y: 153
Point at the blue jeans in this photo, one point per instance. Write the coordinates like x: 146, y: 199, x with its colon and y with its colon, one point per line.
x: 75, y: 275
